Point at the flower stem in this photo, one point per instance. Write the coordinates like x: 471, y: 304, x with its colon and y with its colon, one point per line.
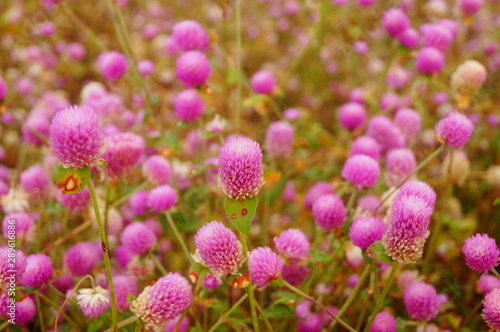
x: 223, y: 318
x: 125, y: 322
x: 158, y: 264
x: 68, y: 236
x: 249, y: 289
x: 238, y: 64
x: 125, y: 197
x: 380, y: 300
x: 179, y: 237
x: 495, y: 272
x: 107, y: 263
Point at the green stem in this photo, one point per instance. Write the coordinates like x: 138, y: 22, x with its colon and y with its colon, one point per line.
x: 4, y: 325
x: 137, y: 325
x: 107, y: 263
x: 495, y: 272
x: 125, y: 322
x: 269, y: 327
x: 425, y: 326
x: 179, y: 237
x: 228, y: 313
x: 90, y: 34
x: 55, y: 306
x: 380, y: 300
x: 158, y: 264
x: 313, y: 300
x: 238, y: 63
x: 39, y: 311
x: 125, y: 197
x: 353, y: 294
x: 249, y: 289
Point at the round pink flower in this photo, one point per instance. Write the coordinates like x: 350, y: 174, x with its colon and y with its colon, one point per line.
x: 429, y: 60
x: 188, y: 105
x: 113, y: 65
x: 292, y: 244
x: 162, y: 198
x: 157, y: 170
x: 124, y: 150
x: 138, y: 238
x: 491, y: 310
x: 264, y: 265
x: 329, y: 212
x: 279, y: 139
x: 395, y: 21
x: 361, y: 170
x: 366, y: 230
x: 38, y: 270
x: 190, y: 35
x: 421, y: 301
x: 456, y: 129
x: 193, y: 69
x: 352, y: 115
x: 263, y: 82
x: 481, y: 253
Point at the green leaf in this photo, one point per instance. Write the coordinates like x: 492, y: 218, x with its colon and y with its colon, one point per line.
x: 241, y: 212
x: 377, y: 252
x: 280, y: 311
x: 497, y: 201
x: 103, y: 163
x: 71, y: 180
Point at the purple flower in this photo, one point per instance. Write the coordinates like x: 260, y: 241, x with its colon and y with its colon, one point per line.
x: 124, y: 150
x: 75, y: 137
x: 400, y: 164
x: 124, y: 285
x: 292, y: 244
x: 263, y: 82
x: 491, y: 310
x: 429, y: 60
x: 362, y: 171
x: 188, y: 105
x: 470, y: 7
x: 138, y: 238
x: 93, y: 301
x: 487, y: 283
x: 264, y: 265
x: 162, y: 198
x: 456, y: 129
x: 295, y: 274
x: 384, y: 322
x: 311, y: 323
x: 279, y: 139
x: 5, y: 268
x: 25, y: 311
x: 409, y: 38
x: 437, y: 36
x: 365, y: 145
x: 352, y: 115
x: 33, y: 127
x: 139, y: 202
x: 366, y: 230
x: 219, y: 249
x: 165, y: 300
x: 193, y: 69
x: 24, y: 225
x: 189, y: 36
x: 38, y: 270
x: 398, y: 77
x: 329, y: 212
x: 77, y: 201
x: 81, y: 258
x: 146, y: 67
x: 289, y: 193
x: 395, y: 21
x: 35, y: 181
x: 157, y: 170
x: 481, y: 253
x: 421, y: 301
x: 409, y: 122
x: 211, y: 281
x: 316, y: 191
x: 369, y: 203
x: 240, y: 168
x: 387, y: 135
x: 419, y: 189
x: 113, y: 65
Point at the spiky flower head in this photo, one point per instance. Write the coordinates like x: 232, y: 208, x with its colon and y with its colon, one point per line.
x: 407, y: 231
x: 124, y: 150
x: 421, y: 301
x: 491, y: 310
x: 279, y: 139
x: 429, y: 60
x: 162, y: 198
x: 93, y: 301
x: 138, y: 238
x: 419, y: 189
x: 189, y: 35
x: 395, y: 21
x: 367, y: 146
x: 264, y: 265
x: 113, y: 65
x: 188, y: 105
x: 165, y: 300
x: 124, y: 285
x: 38, y: 270
x: 409, y: 122
x: 329, y: 212
x: 35, y: 181
x: 366, y: 230
x: 5, y: 268
x: 352, y: 115
x: 487, y: 283
x: 82, y: 257
x: 455, y: 129
x: 25, y: 311
x: 240, y: 168
x: 481, y: 253
x: 316, y: 191
x: 77, y: 201
x: 219, y: 249
x: 292, y: 244
x: 193, y: 69
x: 384, y: 322
x: 76, y: 139
x: 211, y: 281
x: 157, y: 170
x: 386, y: 133
x: 400, y: 164
x: 362, y: 171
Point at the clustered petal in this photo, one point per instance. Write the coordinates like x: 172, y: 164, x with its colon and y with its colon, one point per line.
x: 481, y: 253
x: 491, y: 310
x: 264, y: 265
x: 456, y: 129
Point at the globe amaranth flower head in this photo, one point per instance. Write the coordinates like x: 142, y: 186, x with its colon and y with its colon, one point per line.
x: 455, y: 129
x: 419, y: 189
x: 481, y: 253
x: 409, y: 122
x: 112, y: 65
x: 189, y: 35
x: 263, y: 82
x: 292, y: 244
x: 491, y: 309
x: 429, y: 60
x: 362, y: 171
x: 316, y: 191
x: 124, y: 150
x: 279, y: 139
x: 5, y: 268
x: 352, y: 115
x: 82, y: 257
x: 241, y: 171
x: 386, y: 133
x: 400, y: 164
x: 367, y: 146
x: 219, y: 249
x: 38, y: 270
x: 165, y: 300
x: 25, y: 311
x: 24, y: 225
x: 329, y: 212
x: 124, y: 285
x: 138, y: 238
x: 421, y: 301
x: 366, y: 230
x: 193, y: 69
x: 157, y: 170
x: 162, y: 198
x: 407, y: 230
x: 487, y: 283
x: 264, y: 265
x: 384, y: 322
x: 75, y: 137
x: 395, y: 21
x: 35, y: 181
x: 93, y: 301
x: 188, y: 105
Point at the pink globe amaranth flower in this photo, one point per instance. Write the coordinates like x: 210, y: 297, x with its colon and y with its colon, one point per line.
x: 386, y: 133
x: 366, y: 3
x: 352, y: 115
x: 400, y: 164
x: 93, y: 301
x: 316, y: 191
x: 449, y: 24
x: 76, y: 51
x: 35, y: 181
x: 369, y: 203
x: 24, y: 225
x: 395, y: 21
x: 188, y: 105
x: 165, y: 300
x: 190, y: 35
x: 75, y: 137
x: 389, y: 102
x: 219, y: 249
x: 419, y: 189
x: 124, y: 150
x: 362, y: 171
x: 491, y: 309
x: 289, y: 193
x: 311, y: 323
x: 329, y: 212
x: 5, y: 268
x: 384, y: 322
x: 138, y: 238
x: 75, y: 202
x: 487, y: 283
x: 470, y: 7
x: 3, y: 89
x: 138, y: 202
x: 455, y: 129
x: 292, y: 114
x: 146, y: 68
x: 124, y: 285
x: 303, y: 309
x: 264, y: 265
x: 493, y: 120
x: 211, y: 281
x: 468, y: 77
x: 365, y: 145
x: 481, y: 253
x: 193, y: 69
x: 279, y: 139
x: 162, y: 198
x: 157, y: 170
x: 263, y: 82
x: 437, y: 36
x: 38, y: 270
x: 357, y: 95
x: 398, y: 77
x: 429, y: 60
x: 34, y: 127
x: 292, y: 244
x: 81, y: 258
x: 408, y: 278
x: 295, y: 274
x: 361, y: 47
x: 171, y: 326
x: 241, y: 171
x: 421, y: 301
x: 366, y: 230
x: 113, y: 65
x: 407, y: 230
x: 25, y: 311
x: 409, y: 38
x: 409, y: 122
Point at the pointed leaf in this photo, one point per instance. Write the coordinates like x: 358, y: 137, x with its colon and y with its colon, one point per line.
x: 71, y: 180
x: 377, y: 252
x: 241, y: 212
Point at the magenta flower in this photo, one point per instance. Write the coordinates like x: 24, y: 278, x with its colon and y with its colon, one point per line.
x: 279, y: 139
x: 124, y: 150
x: 162, y: 198
x: 366, y: 230
x: 38, y: 270
x: 292, y: 244
x: 409, y: 122
x: 470, y: 7
x: 75, y: 137
x: 419, y: 189
x: 421, y: 301
x: 25, y: 311
x: 240, y: 168
x: 429, y: 60
x: 193, y: 69
x: 295, y: 274
x: 395, y: 21
x: 387, y: 134
x: 124, y: 285
x: 138, y: 202
x: 3, y: 89
x: 35, y: 181
x: 329, y: 212
x: 188, y: 105
x: 352, y: 115
x: 157, y: 170
x: 146, y: 67
x: 113, y: 65
x: 491, y: 310
x: 263, y: 82
x: 437, y: 36
x: 5, y: 268
x: 481, y: 253
x: 409, y: 38
x: 82, y: 257
x: 211, y: 281
x: 77, y: 201
x: 456, y: 129
x: 365, y: 145
x: 219, y: 249
x: 384, y: 322
x: 138, y: 238
x: 165, y: 300
x: 362, y: 171
x: 34, y: 123
x: 316, y: 191
x: 400, y: 164
x: 190, y: 35
x: 264, y: 265
x: 93, y: 301
x: 487, y: 283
